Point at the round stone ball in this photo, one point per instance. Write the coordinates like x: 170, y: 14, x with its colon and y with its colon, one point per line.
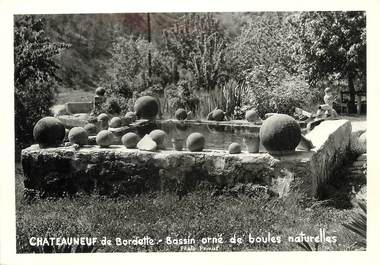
x: 159, y: 137
x: 180, y: 114
x: 130, y: 140
x: 280, y: 134
x: 115, y: 122
x: 104, y: 138
x: 146, y: 107
x: 218, y: 115
x: 131, y: 116
x: 103, y: 117
x: 91, y: 129
x: 252, y: 116
x: 234, y: 148
x: 100, y: 91
x: 49, y: 132
x: 78, y: 135
x: 195, y: 142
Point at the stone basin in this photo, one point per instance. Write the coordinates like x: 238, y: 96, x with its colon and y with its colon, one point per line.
x: 116, y: 170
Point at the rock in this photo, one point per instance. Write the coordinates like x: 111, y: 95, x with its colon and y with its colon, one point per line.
x: 146, y: 107
x: 305, y: 143
x: 280, y: 133
x: 131, y: 117
x: 115, y: 122
x: 218, y: 115
x: 91, y: 129
x: 130, y: 140
x: 147, y: 144
x: 234, y: 148
x: 195, y: 142
x: 253, y: 116
x: 180, y: 114
x: 362, y: 157
x: 358, y: 142
x: 103, y: 121
x: 104, y: 138
x: 159, y: 137
x: 78, y: 135
x: 48, y: 132
x: 100, y: 91
x: 363, y: 142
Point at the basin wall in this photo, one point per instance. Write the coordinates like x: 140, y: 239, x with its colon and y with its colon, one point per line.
x: 117, y: 170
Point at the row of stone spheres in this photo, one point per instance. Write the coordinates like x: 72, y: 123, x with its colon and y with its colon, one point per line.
x: 279, y: 133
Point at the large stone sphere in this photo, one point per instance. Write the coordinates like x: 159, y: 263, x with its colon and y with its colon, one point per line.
x: 159, y: 137
x: 115, y: 122
x: 104, y: 138
x: 195, y: 142
x: 49, y: 132
x: 100, y: 91
x: 130, y: 140
x: 280, y: 134
x: 78, y: 135
x: 218, y: 115
x: 146, y: 107
x: 91, y: 129
x: 180, y: 114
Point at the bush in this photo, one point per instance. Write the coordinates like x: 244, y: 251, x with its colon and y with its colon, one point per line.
x: 197, y: 45
x: 129, y: 69
x: 279, y: 92
x: 35, y: 75
x: 178, y: 96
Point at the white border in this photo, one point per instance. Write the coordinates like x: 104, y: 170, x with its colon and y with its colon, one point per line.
x: 7, y: 192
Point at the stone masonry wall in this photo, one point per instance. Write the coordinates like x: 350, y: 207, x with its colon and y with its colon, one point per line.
x: 117, y: 170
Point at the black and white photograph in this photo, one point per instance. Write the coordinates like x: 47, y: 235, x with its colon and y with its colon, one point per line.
x: 190, y: 131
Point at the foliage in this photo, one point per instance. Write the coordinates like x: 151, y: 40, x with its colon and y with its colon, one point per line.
x: 180, y: 95
x: 265, y: 62
x: 333, y: 45
x: 128, y: 76
x: 265, y: 42
x: 359, y: 225
x: 198, y: 46
x: 278, y: 92
x: 34, y: 75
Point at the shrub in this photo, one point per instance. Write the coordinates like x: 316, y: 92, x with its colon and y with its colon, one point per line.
x: 35, y: 77
x: 277, y: 92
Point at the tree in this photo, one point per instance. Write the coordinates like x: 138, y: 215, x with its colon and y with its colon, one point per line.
x: 34, y: 74
x: 197, y: 45
x: 333, y: 45
x: 264, y: 61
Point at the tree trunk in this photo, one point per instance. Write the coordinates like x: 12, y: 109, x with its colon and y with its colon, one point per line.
x: 351, y: 89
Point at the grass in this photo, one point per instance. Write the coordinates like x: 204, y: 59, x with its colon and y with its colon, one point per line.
x: 197, y: 215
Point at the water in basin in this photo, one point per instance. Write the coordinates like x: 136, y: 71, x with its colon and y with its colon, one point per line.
x: 218, y: 137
